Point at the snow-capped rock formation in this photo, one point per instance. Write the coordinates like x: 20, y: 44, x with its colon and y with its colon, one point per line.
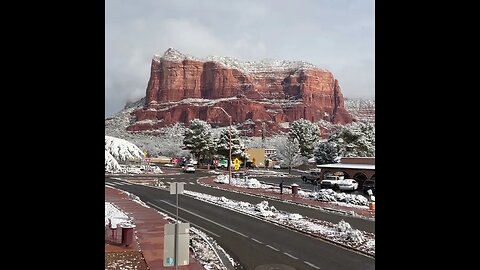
x: 182, y: 87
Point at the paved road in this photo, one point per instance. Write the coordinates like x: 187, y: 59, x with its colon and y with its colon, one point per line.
x: 251, y: 241
x: 356, y: 222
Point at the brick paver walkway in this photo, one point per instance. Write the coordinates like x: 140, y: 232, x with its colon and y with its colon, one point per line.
x: 149, y: 230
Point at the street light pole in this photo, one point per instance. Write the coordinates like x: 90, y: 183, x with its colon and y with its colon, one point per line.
x: 230, y: 145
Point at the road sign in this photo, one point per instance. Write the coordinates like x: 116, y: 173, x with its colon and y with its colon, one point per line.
x: 236, y: 161
x: 237, y: 167
x: 183, y: 244
x: 177, y: 187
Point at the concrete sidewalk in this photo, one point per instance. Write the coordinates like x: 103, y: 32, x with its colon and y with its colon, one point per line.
x: 149, y: 231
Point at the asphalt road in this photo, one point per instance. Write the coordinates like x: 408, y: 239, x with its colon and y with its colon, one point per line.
x: 356, y: 222
x: 251, y: 241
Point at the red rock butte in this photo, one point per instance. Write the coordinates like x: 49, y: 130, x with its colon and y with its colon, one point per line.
x: 182, y: 88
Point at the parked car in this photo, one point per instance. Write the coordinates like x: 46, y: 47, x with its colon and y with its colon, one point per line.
x: 368, y: 184
x: 329, y: 181
x: 346, y: 184
x: 314, y: 176
x: 189, y: 168
x: 276, y: 166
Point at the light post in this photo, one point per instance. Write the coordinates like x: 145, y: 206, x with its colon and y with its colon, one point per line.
x: 230, y: 146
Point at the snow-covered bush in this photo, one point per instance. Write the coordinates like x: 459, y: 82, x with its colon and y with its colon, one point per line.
x: 111, y: 165
x: 328, y: 195
x: 123, y: 150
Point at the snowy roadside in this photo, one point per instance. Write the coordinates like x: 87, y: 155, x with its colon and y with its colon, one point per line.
x: 204, y: 248
x: 340, y: 233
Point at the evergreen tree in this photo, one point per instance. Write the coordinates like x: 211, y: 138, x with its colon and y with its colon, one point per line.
x: 199, y: 140
x: 223, y: 144
x: 307, y: 134
x: 354, y: 140
x: 326, y: 153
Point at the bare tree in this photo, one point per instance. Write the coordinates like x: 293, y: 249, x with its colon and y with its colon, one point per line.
x: 288, y: 150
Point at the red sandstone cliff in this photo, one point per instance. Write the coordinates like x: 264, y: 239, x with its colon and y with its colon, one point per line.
x: 182, y: 88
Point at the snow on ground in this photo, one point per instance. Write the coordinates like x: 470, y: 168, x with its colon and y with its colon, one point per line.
x: 329, y: 195
x: 205, y: 248
x: 325, y: 195
x: 341, y: 233
x: 122, y: 150
x: 114, y: 216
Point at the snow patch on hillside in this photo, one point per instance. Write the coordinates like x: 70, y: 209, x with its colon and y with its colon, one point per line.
x: 250, y: 67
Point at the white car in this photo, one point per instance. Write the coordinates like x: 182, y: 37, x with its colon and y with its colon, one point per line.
x: 276, y: 166
x: 347, y: 184
x: 189, y: 168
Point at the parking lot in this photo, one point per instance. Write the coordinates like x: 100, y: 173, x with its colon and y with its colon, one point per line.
x: 295, y: 178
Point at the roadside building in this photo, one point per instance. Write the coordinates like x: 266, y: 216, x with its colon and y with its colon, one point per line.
x: 358, y: 168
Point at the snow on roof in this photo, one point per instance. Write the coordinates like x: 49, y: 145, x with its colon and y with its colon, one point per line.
x: 348, y: 166
x: 262, y: 66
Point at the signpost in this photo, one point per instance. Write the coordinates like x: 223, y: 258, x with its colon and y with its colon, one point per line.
x: 176, y: 240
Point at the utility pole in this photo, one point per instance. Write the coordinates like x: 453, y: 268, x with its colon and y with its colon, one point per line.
x: 263, y: 134
x: 229, y: 163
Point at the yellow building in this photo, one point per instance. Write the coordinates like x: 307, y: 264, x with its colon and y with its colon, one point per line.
x: 257, y: 156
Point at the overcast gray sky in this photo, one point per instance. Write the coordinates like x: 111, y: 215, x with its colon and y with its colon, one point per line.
x: 338, y: 35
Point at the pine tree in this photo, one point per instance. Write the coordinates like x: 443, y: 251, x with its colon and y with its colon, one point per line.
x: 326, y: 153
x: 307, y: 134
x: 223, y: 144
x: 354, y: 140
x: 199, y: 140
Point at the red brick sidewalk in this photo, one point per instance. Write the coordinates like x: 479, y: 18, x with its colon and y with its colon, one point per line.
x: 149, y: 230
x: 275, y: 194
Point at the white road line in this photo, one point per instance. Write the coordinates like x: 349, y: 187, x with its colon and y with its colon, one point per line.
x: 255, y: 240
x: 110, y: 184
x: 172, y: 214
x: 290, y: 255
x: 218, y: 224
x: 311, y: 265
x: 273, y: 248
x: 118, y: 183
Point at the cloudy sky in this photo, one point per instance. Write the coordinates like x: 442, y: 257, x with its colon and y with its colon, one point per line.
x: 338, y: 35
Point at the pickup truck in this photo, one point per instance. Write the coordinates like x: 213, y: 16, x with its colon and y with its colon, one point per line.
x: 314, y: 176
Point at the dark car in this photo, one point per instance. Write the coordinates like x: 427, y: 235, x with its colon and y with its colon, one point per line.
x: 369, y: 184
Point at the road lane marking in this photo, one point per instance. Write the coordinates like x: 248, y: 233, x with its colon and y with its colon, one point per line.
x: 203, y: 229
x: 311, y: 265
x: 111, y: 184
x: 273, y: 248
x: 255, y: 240
x: 216, y: 223
x: 290, y: 255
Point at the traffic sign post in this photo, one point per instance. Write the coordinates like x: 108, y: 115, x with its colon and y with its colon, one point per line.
x: 236, y: 161
x: 177, y: 239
